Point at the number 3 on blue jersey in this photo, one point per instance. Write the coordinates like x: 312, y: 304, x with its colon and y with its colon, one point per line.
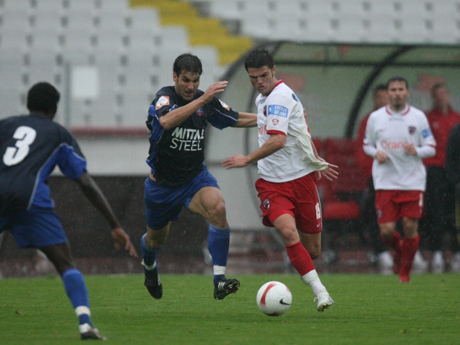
x: 15, y: 155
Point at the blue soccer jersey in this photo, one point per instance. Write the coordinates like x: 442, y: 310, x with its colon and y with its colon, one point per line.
x: 176, y: 155
x: 30, y: 148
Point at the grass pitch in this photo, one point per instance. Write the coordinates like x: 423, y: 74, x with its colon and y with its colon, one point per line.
x: 369, y: 309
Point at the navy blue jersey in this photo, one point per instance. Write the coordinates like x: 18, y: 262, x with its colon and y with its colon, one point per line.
x: 30, y: 147
x: 176, y: 156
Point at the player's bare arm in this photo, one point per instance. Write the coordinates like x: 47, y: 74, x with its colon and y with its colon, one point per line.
x: 97, y: 198
x: 246, y: 120
x: 179, y: 115
x: 273, y: 144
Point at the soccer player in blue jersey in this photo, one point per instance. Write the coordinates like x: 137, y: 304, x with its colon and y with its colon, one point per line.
x: 177, y: 122
x: 30, y: 148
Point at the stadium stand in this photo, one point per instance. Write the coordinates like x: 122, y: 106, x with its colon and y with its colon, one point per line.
x: 130, y: 48
x: 44, y: 39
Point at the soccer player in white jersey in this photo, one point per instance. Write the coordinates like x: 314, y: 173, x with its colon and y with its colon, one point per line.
x: 398, y: 136
x: 288, y: 166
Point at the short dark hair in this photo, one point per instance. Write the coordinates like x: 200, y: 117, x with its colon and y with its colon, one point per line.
x: 259, y: 58
x: 437, y: 86
x: 397, y: 78
x: 379, y: 87
x: 43, y: 97
x: 187, y: 62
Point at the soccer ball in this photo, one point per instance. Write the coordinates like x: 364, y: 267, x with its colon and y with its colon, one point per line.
x: 274, y: 298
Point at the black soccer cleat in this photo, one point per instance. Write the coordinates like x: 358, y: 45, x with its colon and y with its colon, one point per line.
x: 92, y: 334
x: 224, y: 287
x: 154, y: 286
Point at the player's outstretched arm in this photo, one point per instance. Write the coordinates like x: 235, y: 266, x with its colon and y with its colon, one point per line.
x: 273, y: 144
x: 97, y: 198
x: 177, y: 116
x: 246, y: 120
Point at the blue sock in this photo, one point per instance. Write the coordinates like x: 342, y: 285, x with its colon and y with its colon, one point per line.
x: 149, y: 257
x: 78, y: 294
x: 218, y: 245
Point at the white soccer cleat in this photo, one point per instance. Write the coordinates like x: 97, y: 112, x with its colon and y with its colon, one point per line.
x: 437, y: 264
x: 385, y: 260
x: 323, y: 300
x: 89, y: 333
x: 419, y: 263
x: 455, y: 263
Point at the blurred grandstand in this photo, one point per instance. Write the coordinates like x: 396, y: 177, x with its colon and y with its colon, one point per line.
x: 109, y: 57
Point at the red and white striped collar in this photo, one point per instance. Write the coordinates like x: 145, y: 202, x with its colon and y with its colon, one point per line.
x: 278, y: 83
x: 402, y: 112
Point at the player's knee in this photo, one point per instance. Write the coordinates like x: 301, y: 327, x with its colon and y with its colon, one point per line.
x: 410, y: 226
x: 217, y: 215
x: 290, y: 235
x: 155, y: 239
x: 386, y: 231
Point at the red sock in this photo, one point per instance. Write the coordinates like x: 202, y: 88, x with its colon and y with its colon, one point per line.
x: 300, y: 258
x: 409, y: 248
x: 394, y: 242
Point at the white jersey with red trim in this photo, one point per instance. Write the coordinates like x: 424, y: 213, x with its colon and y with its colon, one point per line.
x: 389, y: 131
x: 281, y: 112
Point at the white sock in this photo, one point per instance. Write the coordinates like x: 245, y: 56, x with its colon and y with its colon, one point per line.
x: 218, y: 270
x: 312, y: 279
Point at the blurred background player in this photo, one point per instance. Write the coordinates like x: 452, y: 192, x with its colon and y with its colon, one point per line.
x: 398, y: 137
x: 453, y: 174
x: 368, y: 216
x: 438, y: 214
x: 177, y: 120
x: 288, y: 166
x: 30, y: 148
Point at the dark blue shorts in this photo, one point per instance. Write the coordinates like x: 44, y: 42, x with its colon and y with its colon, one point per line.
x: 38, y: 227
x: 164, y: 204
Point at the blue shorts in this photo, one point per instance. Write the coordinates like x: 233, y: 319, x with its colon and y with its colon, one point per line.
x: 164, y: 204
x: 37, y: 227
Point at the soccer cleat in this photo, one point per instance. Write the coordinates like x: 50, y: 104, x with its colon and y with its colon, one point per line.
x: 152, y: 281
x: 455, y: 262
x: 437, y: 264
x: 419, y: 263
x: 90, y: 333
x: 224, y: 287
x: 323, y: 300
x: 154, y: 286
x: 396, y: 262
x: 385, y: 260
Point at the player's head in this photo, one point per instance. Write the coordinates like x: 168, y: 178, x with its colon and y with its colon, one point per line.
x: 259, y: 58
x: 380, y: 96
x: 187, y: 70
x: 398, y: 79
x: 43, y: 98
x: 440, y: 95
x: 261, y: 69
x: 398, y: 91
